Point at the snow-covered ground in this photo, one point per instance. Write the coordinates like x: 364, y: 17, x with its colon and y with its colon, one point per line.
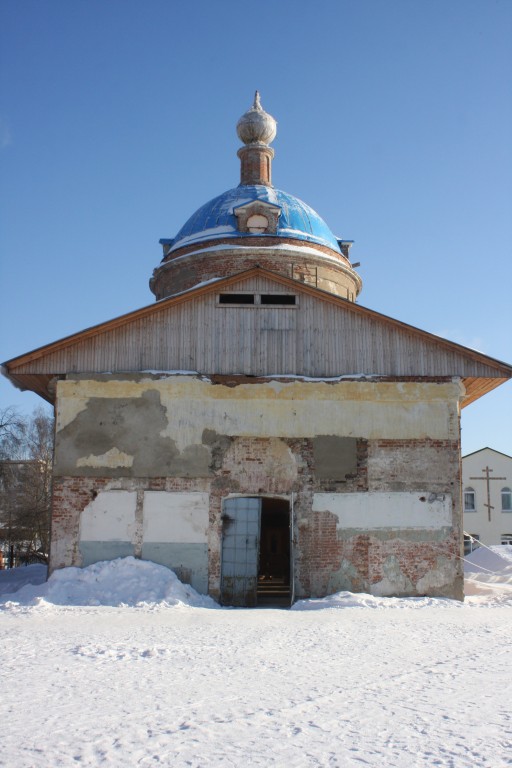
x: 120, y: 664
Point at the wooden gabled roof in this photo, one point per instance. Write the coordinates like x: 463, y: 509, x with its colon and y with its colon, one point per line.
x: 329, y: 336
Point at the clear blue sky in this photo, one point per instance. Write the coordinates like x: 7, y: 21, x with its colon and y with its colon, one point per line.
x: 117, y: 121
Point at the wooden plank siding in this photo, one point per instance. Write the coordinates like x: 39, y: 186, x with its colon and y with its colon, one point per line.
x: 313, y: 339
x: 322, y: 336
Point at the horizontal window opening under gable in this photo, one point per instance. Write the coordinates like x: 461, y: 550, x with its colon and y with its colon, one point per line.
x: 236, y: 298
x: 288, y: 299
x: 258, y: 299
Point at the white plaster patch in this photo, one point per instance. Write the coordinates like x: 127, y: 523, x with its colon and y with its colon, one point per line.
x: 376, y: 510
x: 178, y: 517
x: 109, y: 517
x: 111, y: 459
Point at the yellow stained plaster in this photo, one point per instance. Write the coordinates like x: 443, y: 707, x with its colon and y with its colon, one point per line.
x: 191, y: 386
x: 69, y: 403
x: 396, y: 410
x: 111, y: 459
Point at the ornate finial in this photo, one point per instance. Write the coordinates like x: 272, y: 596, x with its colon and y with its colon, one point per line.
x: 256, y: 126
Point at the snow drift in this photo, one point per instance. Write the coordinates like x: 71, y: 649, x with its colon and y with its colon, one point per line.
x: 122, y: 582
x: 132, y: 582
x: 488, y: 575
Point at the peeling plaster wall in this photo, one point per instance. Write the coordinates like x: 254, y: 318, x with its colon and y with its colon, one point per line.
x: 355, y: 455
x: 101, y: 411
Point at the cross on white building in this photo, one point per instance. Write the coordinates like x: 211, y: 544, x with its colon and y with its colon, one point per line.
x: 488, y: 479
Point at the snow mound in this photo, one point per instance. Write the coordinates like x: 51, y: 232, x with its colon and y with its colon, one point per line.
x: 488, y: 574
x: 12, y: 579
x: 132, y: 582
x: 122, y: 582
x: 363, y: 600
x: 497, y: 559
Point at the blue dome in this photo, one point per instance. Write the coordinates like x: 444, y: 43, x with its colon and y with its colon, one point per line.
x: 217, y: 220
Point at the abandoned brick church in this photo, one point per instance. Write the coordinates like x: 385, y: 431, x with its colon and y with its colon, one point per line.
x: 255, y: 429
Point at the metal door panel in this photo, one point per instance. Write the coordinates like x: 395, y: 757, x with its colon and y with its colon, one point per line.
x: 240, y: 550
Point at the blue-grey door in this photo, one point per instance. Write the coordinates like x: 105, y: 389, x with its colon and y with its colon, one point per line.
x: 240, y: 551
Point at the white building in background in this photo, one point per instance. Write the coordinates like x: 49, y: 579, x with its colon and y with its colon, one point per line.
x: 487, y: 494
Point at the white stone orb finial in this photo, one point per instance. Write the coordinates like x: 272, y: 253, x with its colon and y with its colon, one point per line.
x: 256, y: 126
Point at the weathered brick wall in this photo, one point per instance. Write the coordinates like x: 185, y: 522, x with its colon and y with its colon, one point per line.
x: 180, y: 273
x: 329, y: 562
x: 326, y: 558
x: 332, y: 558
x: 397, y: 465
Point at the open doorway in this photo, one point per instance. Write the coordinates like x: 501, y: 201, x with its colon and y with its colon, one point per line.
x: 274, y: 554
x: 256, y: 552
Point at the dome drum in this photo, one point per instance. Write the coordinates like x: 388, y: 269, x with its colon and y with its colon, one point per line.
x: 189, y: 269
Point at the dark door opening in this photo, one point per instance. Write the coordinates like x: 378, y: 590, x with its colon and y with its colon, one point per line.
x: 274, y: 553
x: 256, y: 552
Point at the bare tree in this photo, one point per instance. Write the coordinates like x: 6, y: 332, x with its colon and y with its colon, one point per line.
x: 12, y: 429
x: 26, y: 450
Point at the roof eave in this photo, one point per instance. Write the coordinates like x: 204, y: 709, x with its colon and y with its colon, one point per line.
x: 476, y: 387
